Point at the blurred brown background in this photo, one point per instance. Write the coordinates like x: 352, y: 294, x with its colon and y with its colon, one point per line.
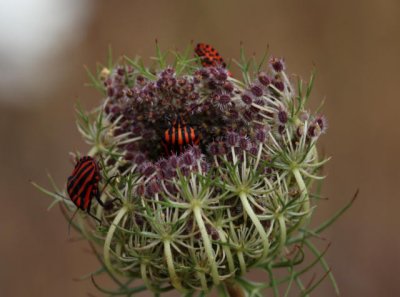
x: 354, y: 45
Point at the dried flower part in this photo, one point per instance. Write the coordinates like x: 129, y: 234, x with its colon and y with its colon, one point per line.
x: 194, y: 214
x: 278, y: 65
x: 264, y: 79
x: 246, y: 98
x: 256, y: 91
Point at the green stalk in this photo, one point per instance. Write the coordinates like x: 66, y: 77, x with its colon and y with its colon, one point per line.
x: 110, y: 234
x: 171, y: 269
x: 242, y: 262
x: 282, y: 229
x: 304, y: 195
x: 227, y: 251
x: 93, y: 151
x: 203, y: 280
x: 249, y: 210
x: 143, y: 272
x: 207, y: 245
x: 273, y: 283
x: 316, y: 253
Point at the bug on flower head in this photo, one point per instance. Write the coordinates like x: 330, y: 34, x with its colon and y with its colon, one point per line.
x: 83, y: 185
x: 208, y: 55
x: 178, y: 136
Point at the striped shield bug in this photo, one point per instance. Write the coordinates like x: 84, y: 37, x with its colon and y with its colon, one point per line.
x: 178, y: 136
x: 208, y: 55
x: 83, y: 185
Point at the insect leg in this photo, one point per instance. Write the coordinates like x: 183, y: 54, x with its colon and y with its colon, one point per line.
x: 107, y: 204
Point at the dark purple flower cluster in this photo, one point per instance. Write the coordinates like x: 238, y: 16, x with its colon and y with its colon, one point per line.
x: 228, y: 118
x: 236, y: 143
x: 206, y: 100
x: 158, y: 175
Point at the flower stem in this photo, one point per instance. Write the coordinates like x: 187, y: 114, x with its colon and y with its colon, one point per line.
x: 171, y: 269
x: 110, y: 234
x: 227, y: 250
x: 249, y: 210
x: 304, y: 195
x: 207, y: 245
x: 242, y: 262
x: 143, y: 273
x: 282, y: 231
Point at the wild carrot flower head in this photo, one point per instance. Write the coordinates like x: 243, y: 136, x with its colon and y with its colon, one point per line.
x: 212, y: 173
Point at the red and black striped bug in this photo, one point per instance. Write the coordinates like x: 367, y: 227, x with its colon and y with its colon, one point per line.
x: 83, y: 185
x: 178, y: 136
x: 208, y: 55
